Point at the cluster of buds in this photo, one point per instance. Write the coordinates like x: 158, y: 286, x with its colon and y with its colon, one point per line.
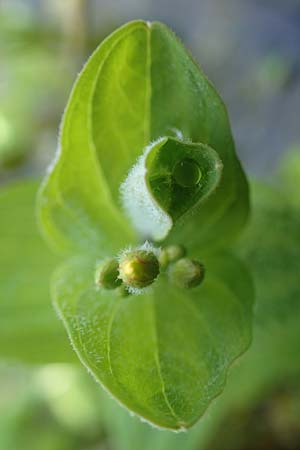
x: 131, y: 272
x: 182, y: 272
x: 137, y: 269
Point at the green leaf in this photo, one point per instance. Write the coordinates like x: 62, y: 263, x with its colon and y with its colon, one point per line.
x: 171, y: 179
x: 29, y: 329
x: 126, y: 97
x: 163, y: 354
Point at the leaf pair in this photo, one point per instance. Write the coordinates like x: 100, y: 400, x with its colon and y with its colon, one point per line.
x: 163, y: 354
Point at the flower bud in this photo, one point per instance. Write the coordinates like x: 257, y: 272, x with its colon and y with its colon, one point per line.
x: 186, y: 273
x: 139, y: 268
x: 107, y: 274
x: 171, y: 254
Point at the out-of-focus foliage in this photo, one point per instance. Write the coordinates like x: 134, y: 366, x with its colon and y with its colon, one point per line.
x: 289, y: 176
x: 29, y: 329
x: 52, y: 408
x: 33, y: 78
x: 39, y: 60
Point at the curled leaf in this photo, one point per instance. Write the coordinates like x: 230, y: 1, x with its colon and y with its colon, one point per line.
x: 171, y: 179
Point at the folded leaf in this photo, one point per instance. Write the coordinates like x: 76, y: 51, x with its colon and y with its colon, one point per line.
x: 29, y: 329
x: 163, y: 354
x: 139, y: 85
x: 171, y: 179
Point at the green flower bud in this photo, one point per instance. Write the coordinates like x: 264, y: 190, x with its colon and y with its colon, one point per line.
x: 171, y: 254
x: 139, y: 268
x: 186, y: 273
x: 107, y: 274
x: 187, y: 173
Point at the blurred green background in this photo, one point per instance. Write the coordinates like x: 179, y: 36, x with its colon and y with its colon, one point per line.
x: 250, y: 50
